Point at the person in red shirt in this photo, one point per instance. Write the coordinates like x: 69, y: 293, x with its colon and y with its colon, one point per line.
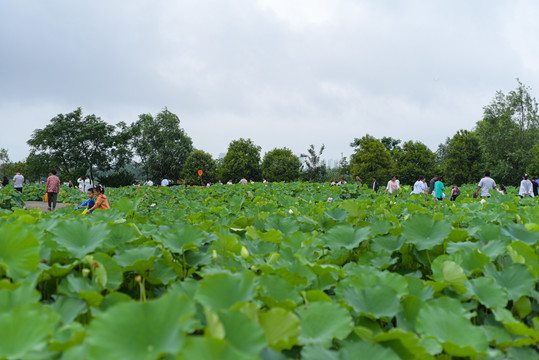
x: 53, y: 188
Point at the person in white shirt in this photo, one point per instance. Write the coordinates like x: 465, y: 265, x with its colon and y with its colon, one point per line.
x: 486, y: 184
x: 526, y: 187
x: 81, y: 184
x: 149, y: 182
x: 243, y: 181
x: 88, y: 184
x: 18, y: 180
x: 164, y: 182
x: 420, y: 186
x: 229, y: 182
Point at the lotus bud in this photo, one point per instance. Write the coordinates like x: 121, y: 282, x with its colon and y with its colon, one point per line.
x: 483, y: 201
x: 138, y: 279
x: 85, y: 273
x: 290, y: 211
x: 214, y: 255
x: 244, y: 253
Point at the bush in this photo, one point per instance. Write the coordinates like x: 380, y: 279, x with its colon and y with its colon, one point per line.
x: 121, y: 178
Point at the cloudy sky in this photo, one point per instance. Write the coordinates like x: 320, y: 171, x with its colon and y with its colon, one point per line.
x: 281, y: 72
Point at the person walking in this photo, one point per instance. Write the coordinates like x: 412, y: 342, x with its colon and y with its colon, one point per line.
x: 526, y: 187
x: 420, y: 186
x: 439, y: 188
x: 431, y: 184
x: 486, y: 184
x: 18, y: 180
x: 375, y: 186
x: 81, y: 184
x: 52, y: 188
x: 88, y: 184
x: 392, y: 185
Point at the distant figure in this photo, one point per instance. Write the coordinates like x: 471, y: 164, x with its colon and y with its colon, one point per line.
x: 149, y: 182
x: 230, y: 182
x: 535, y: 186
x: 358, y: 179
x: 70, y: 184
x: 18, y: 180
x: 526, y: 187
x: 342, y: 182
x: 501, y: 189
x: 53, y: 188
x: 88, y: 184
x: 264, y: 180
x: 164, y: 182
x: 431, y: 184
x: 5, y: 182
x: 219, y: 182
x: 420, y: 186
x: 81, y: 184
x: 251, y: 181
x: 455, y: 192
x: 243, y: 181
x: 486, y: 184
x: 392, y: 185
x: 439, y: 189
x: 375, y: 186
x: 101, y: 201
x: 332, y: 182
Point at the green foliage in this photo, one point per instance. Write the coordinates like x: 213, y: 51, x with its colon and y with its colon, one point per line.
x: 161, y: 144
x: 462, y: 161
x: 117, y: 179
x: 241, y: 160
x: 370, y: 159
x: 270, y: 272
x: 412, y: 160
x: 314, y: 168
x: 199, y: 160
x: 507, y: 134
x: 281, y: 165
x: 74, y: 144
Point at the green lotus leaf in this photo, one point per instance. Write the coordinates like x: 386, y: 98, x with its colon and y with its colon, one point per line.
x: 516, y: 279
x: 19, y: 251
x: 366, y: 350
x: 181, y: 238
x: 69, y: 308
x: 318, y: 352
x: 243, y: 333
x: 222, y: 290
x: 405, y: 344
x: 524, y: 254
x: 207, y: 348
x: 276, y: 289
x: 472, y: 261
x: 377, y: 301
x: 488, y: 292
x: 514, y: 326
x: 25, y: 293
x: 137, y: 259
x: 424, y: 232
x: 407, y: 317
x: 79, y: 238
x: 346, y: 236
x: 141, y: 331
x: 113, y: 271
x: 520, y: 233
x: 25, y: 330
x: 446, y: 321
x: 281, y: 328
x: 454, y: 275
x: 321, y: 322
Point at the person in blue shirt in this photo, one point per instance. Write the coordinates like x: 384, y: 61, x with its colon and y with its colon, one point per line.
x: 88, y: 204
x: 439, y: 189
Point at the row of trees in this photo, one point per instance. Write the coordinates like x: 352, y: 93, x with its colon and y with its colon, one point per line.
x: 505, y: 141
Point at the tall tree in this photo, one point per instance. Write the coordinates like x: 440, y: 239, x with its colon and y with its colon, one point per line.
x: 370, y: 159
x: 508, y: 132
x: 392, y: 145
x: 76, y: 145
x: 414, y: 159
x: 314, y: 168
x: 199, y: 160
x: 462, y: 158
x: 4, y: 161
x: 161, y: 144
x: 281, y: 165
x: 241, y: 160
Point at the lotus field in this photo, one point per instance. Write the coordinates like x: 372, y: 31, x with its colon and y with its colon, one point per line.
x: 284, y: 271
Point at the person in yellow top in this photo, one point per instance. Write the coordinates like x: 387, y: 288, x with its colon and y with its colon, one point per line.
x: 101, y: 201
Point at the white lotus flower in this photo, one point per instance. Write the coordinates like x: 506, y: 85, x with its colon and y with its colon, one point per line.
x: 290, y: 212
x: 330, y: 199
x: 483, y: 201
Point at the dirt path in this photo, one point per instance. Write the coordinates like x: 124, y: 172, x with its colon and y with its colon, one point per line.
x: 42, y: 205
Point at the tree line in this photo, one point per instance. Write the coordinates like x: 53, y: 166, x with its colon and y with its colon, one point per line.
x: 505, y: 141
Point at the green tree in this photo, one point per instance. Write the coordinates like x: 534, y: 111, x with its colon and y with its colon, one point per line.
x: 414, y: 159
x: 76, y: 145
x: 314, y: 168
x: 507, y: 134
x: 4, y: 161
x: 392, y: 145
x: 161, y: 144
x: 370, y: 159
x: 281, y: 165
x: 199, y: 160
x: 241, y: 160
x: 462, y: 156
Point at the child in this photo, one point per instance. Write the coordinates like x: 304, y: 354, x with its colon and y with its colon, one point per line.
x: 455, y: 192
x: 101, y: 201
x: 88, y: 204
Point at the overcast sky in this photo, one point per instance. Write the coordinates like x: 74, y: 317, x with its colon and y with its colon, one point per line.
x: 281, y: 72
